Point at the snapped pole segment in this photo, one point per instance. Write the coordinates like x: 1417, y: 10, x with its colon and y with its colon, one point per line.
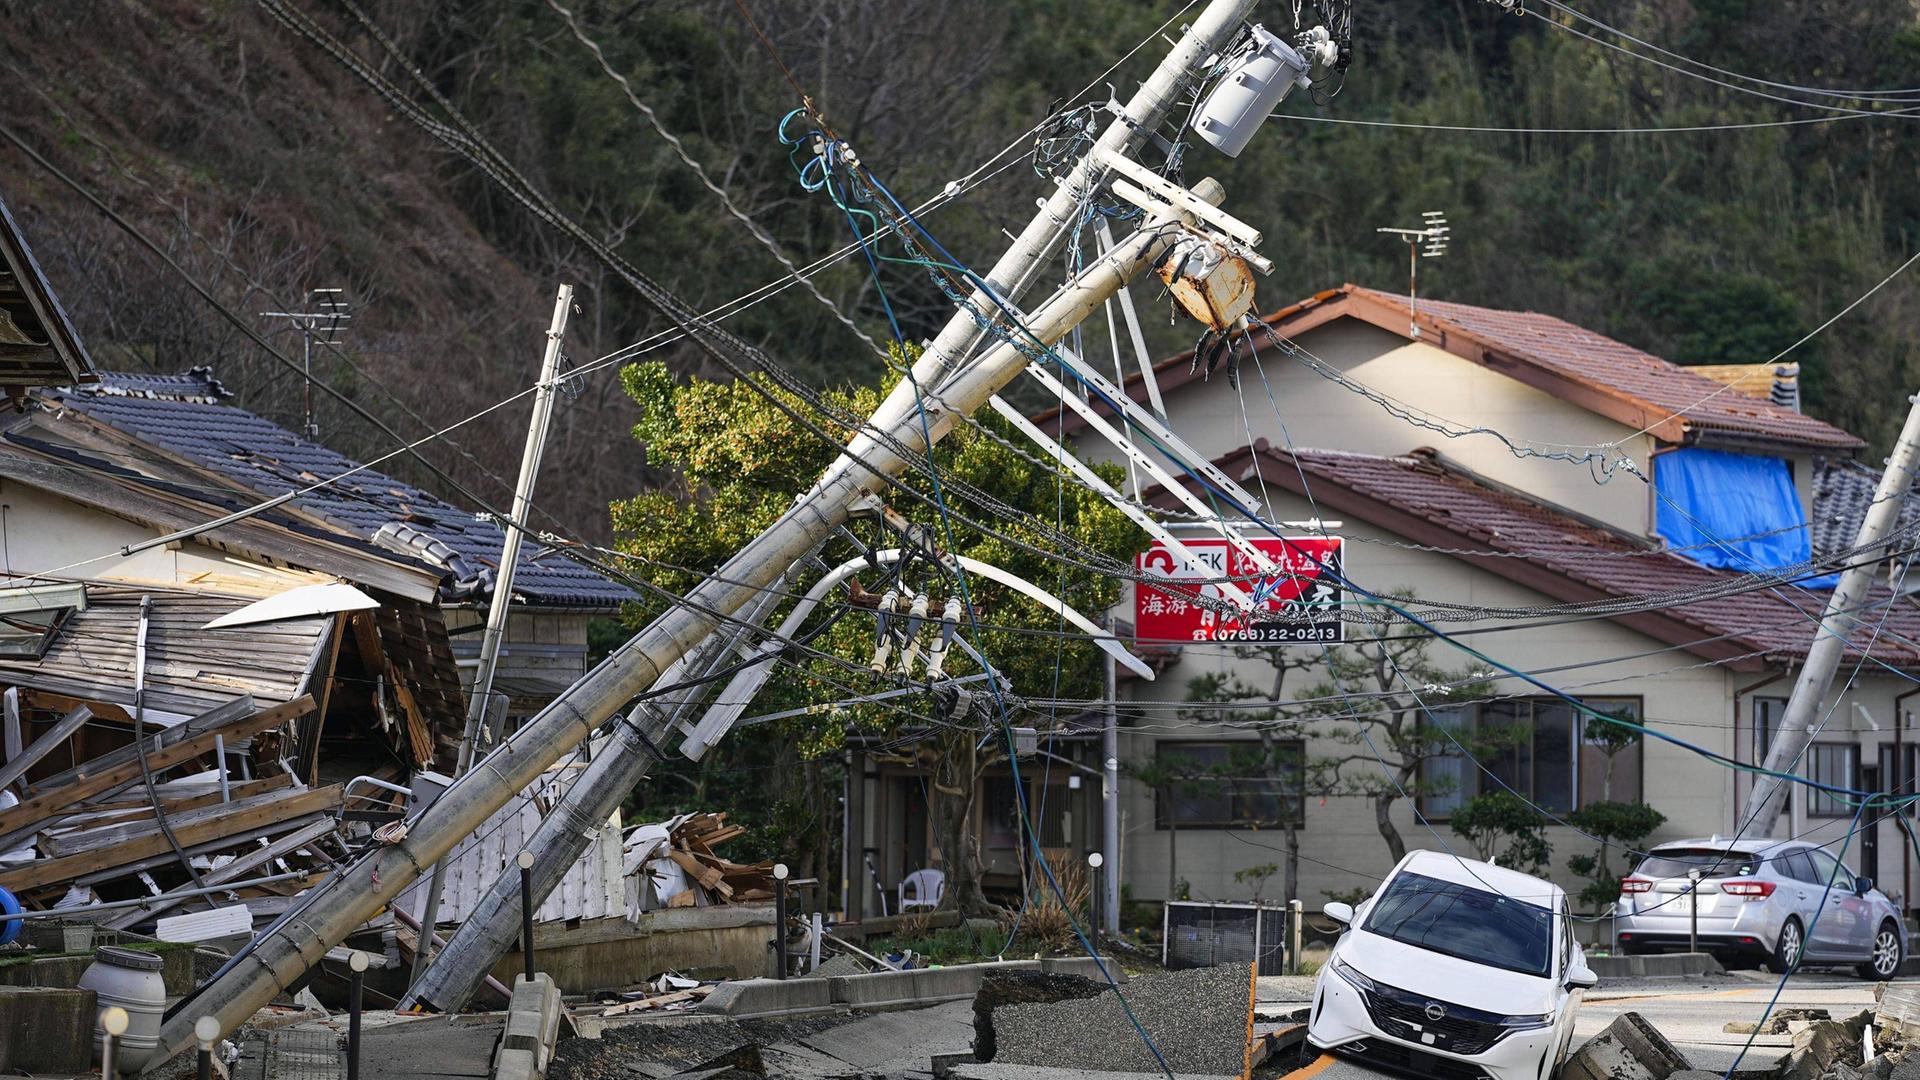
x: 502, y: 589
x: 1843, y: 616
x: 334, y: 909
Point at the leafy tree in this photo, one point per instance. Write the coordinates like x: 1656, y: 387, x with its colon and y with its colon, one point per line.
x: 1257, y: 876
x: 735, y: 462
x: 1373, y: 702
x: 1626, y: 824
x: 1503, y: 828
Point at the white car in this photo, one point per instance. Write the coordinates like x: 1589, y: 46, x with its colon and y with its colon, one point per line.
x: 1455, y: 969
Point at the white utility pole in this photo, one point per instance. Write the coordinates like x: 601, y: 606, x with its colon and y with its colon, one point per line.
x: 961, y: 377
x: 1830, y: 640
x: 499, y: 608
x: 1110, y: 801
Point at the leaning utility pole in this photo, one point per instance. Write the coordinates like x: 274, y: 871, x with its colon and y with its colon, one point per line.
x: 961, y: 381
x: 497, y: 609
x: 1843, y: 614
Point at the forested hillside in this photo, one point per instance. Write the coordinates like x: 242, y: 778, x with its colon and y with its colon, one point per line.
x: 266, y: 167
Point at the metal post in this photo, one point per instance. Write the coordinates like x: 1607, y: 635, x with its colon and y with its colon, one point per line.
x: 780, y: 920
x: 1109, y: 884
x: 1830, y: 639
x: 356, y: 980
x: 526, y: 910
x: 1296, y: 917
x: 964, y: 377
x: 497, y: 607
x: 1693, y: 911
x: 207, y: 1030
x: 1094, y: 860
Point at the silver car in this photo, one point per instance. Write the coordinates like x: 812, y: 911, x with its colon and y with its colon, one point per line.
x: 1760, y: 900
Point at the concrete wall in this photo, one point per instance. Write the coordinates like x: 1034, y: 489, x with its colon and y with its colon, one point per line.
x: 600, y: 953
x: 1319, y: 413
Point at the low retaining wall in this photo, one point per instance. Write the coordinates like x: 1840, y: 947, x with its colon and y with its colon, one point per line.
x: 881, y: 989
x: 46, y: 1030
x: 598, y: 953
x: 1623, y: 967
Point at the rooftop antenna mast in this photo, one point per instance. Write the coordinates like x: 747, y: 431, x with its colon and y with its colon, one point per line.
x: 324, y: 321
x: 1428, y: 241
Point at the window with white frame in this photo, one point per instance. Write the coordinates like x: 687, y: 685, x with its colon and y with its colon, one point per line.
x: 1835, y: 765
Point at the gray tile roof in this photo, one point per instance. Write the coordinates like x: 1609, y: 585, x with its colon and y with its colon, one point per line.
x: 185, y: 415
x: 1842, y: 491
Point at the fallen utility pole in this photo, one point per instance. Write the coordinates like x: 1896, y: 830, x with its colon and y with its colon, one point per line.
x: 632, y: 748
x: 1842, y: 616
x: 334, y: 909
x: 497, y: 609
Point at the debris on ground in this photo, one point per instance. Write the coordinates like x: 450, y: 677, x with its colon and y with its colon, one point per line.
x: 675, y: 861
x: 1629, y: 1049
x: 1196, y: 1018
x: 1776, y: 1024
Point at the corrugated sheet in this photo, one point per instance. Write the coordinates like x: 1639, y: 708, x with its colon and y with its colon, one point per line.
x: 592, y: 889
x: 189, y: 670
x: 181, y: 415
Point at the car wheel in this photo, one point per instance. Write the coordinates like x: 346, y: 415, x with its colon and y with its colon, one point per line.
x: 1884, y: 962
x: 1786, y: 952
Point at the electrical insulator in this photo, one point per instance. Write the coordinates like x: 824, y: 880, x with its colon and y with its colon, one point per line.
x: 883, y: 619
x: 916, y: 618
x: 1248, y: 93
x: 937, y: 649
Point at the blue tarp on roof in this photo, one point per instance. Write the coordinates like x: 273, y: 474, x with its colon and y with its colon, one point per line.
x: 1734, y: 511
x: 182, y: 415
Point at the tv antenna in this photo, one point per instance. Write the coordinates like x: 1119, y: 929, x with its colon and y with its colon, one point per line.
x: 1428, y: 242
x: 324, y: 321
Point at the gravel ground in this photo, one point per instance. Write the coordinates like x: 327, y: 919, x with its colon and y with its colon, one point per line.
x: 1197, y: 1018
x: 681, y: 1043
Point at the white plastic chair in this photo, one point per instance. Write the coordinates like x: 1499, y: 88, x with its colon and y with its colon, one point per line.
x: 922, y: 889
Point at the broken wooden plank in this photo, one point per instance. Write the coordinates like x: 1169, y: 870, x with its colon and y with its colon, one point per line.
x: 61, y: 731
x: 232, y: 871
x: 118, y: 826
x: 231, y: 821
x: 225, y: 845
x: 707, y: 876
x: 30, y: 814
x: 219, y: 716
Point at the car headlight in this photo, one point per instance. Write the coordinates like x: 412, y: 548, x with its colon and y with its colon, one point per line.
x: 1352, y: 975
x: 1523, y: 1023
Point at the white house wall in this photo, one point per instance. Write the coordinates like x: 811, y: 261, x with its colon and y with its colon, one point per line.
x: 1320, y: 414
x: 1340, y: 847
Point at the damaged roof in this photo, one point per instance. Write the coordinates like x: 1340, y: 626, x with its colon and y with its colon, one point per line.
x: 189, y: 670
x: 1423, y: 498
x: 1613, y: 379
x: 38, y: 344
x: 187, y: 417
x: 1842, y: 492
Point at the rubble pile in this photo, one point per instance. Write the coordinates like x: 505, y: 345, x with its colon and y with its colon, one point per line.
x: 672, y: 864
x: 206, y: 802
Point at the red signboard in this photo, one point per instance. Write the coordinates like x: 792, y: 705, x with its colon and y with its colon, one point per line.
x: 1299, y: 601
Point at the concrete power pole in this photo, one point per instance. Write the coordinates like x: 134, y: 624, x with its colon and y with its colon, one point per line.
x: 497, y: 610
x: 493, y: 924
x: 346, y: 900
x: 1830, y: 641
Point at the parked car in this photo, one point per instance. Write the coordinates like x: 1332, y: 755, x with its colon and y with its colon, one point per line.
x: 1757, y: 901
x: 1456, y: 969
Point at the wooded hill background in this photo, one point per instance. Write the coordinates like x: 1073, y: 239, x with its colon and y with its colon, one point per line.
x: 265, y: 168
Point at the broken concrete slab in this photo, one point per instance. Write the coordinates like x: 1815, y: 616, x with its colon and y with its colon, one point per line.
x: 892, y: 1042
x: 1197, y: 1019
x: 1629, y: 1049
x: 1000, y: 989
